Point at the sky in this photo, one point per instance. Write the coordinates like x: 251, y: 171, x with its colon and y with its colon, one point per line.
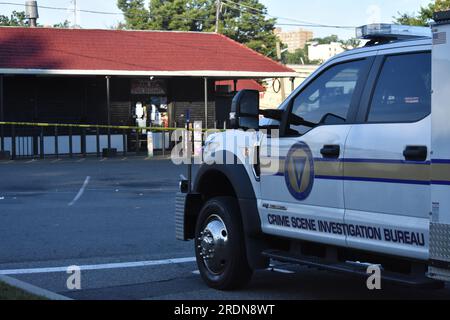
x: 330, y: 12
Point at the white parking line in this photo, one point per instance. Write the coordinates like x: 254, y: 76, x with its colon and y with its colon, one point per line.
x: 108, y: 266
x: 80, y: 193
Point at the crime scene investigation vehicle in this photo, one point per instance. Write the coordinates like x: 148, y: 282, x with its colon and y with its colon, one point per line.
x: 362, y: 175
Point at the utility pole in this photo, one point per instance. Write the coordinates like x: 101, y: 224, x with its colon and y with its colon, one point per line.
x: 279, y: 57
x: 218, y: 9
x: 75, y: 10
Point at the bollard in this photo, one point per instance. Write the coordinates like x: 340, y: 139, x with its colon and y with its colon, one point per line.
x: 164, y: 143
x: 124, y: 142
x: 83, y: 142
x: 2, y: 138
x: 70, y: 142
x: 41, y: 144
x: 35, y: 143
x: 97, y: 137
x: 138, y: 142
x: 56, y: 143
x: 13, y: 142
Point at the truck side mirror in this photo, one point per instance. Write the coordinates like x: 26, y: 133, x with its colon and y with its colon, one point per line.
x: 245, y: 110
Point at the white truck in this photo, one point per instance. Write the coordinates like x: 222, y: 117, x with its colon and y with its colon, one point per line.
x: 360, y: 173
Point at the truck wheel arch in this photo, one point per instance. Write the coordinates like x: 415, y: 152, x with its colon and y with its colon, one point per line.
x: 229, y: 180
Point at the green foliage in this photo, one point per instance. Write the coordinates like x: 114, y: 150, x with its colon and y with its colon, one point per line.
x: 248, y: 26
x: 136, y: 15
x: 63, y: 25
x: 350, y: 43
x: 326, y: 40
x: 300, y: 56
x: 17, y: 19
x: 425, y: 14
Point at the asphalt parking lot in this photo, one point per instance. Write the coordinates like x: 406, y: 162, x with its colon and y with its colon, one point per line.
x: 115, y: 219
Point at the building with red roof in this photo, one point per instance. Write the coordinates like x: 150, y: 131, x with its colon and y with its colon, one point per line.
x: 102, y: 76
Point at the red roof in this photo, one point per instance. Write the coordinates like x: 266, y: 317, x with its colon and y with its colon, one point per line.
x: 242, y: 85
x: 82, y: 51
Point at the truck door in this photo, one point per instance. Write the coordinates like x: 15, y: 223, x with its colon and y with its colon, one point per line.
x: 302, y: 196
x: 387, y: 158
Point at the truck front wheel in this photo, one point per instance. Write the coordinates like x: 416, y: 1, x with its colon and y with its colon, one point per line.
x: 220, y: 245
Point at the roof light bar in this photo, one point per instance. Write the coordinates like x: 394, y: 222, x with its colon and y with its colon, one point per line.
x: 392, y: 32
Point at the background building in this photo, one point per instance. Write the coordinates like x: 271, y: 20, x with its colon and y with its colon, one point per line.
x: 323, y: 52
x: 294, y: 39
x: 273, y: 96
x: 113, y: 77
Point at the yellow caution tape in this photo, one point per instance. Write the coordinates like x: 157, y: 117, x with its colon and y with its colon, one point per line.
x: 95, y: 126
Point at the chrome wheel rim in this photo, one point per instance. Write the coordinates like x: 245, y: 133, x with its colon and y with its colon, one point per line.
x: 213, y: 245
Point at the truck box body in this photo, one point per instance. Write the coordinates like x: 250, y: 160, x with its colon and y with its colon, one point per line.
x: 440, y: 165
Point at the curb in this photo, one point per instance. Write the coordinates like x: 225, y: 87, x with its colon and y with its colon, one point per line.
x: 29, y: 288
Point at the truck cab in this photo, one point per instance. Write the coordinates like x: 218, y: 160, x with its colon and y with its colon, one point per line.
x: 350, y: 171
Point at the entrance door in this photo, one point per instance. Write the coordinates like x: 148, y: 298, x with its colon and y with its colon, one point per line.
x: 303, y: 197
x: 387, y: 168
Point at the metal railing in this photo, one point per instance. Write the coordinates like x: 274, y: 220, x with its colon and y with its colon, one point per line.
x: 40, y: 140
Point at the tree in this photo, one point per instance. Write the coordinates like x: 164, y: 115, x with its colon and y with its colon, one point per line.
x: 63, y: 25
x: 350, y: 44
x: 136, y: 15
x: 242, y: 20
x: 250, y: 27
x: 326, y: 40
x: 17, y: 19
x: 425, y: 14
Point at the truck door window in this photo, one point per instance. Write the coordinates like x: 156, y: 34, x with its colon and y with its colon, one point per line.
x: 328, y: 98
x: 403, y: 91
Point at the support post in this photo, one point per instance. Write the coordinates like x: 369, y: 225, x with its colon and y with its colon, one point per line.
x: 108, y: 106
x: 292, y: 84
x: 206, y: 103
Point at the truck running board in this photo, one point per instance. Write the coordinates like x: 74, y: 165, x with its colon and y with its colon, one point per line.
x: 359, y: 270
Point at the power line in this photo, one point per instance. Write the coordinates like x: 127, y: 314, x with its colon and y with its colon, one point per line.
x: 313, y: 26
x: 229, y: 4
x: 63, y: 9
x: 301, y: 23
x: 107, y: 13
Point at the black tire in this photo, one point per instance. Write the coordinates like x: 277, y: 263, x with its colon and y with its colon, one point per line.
x: 236, y: 272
